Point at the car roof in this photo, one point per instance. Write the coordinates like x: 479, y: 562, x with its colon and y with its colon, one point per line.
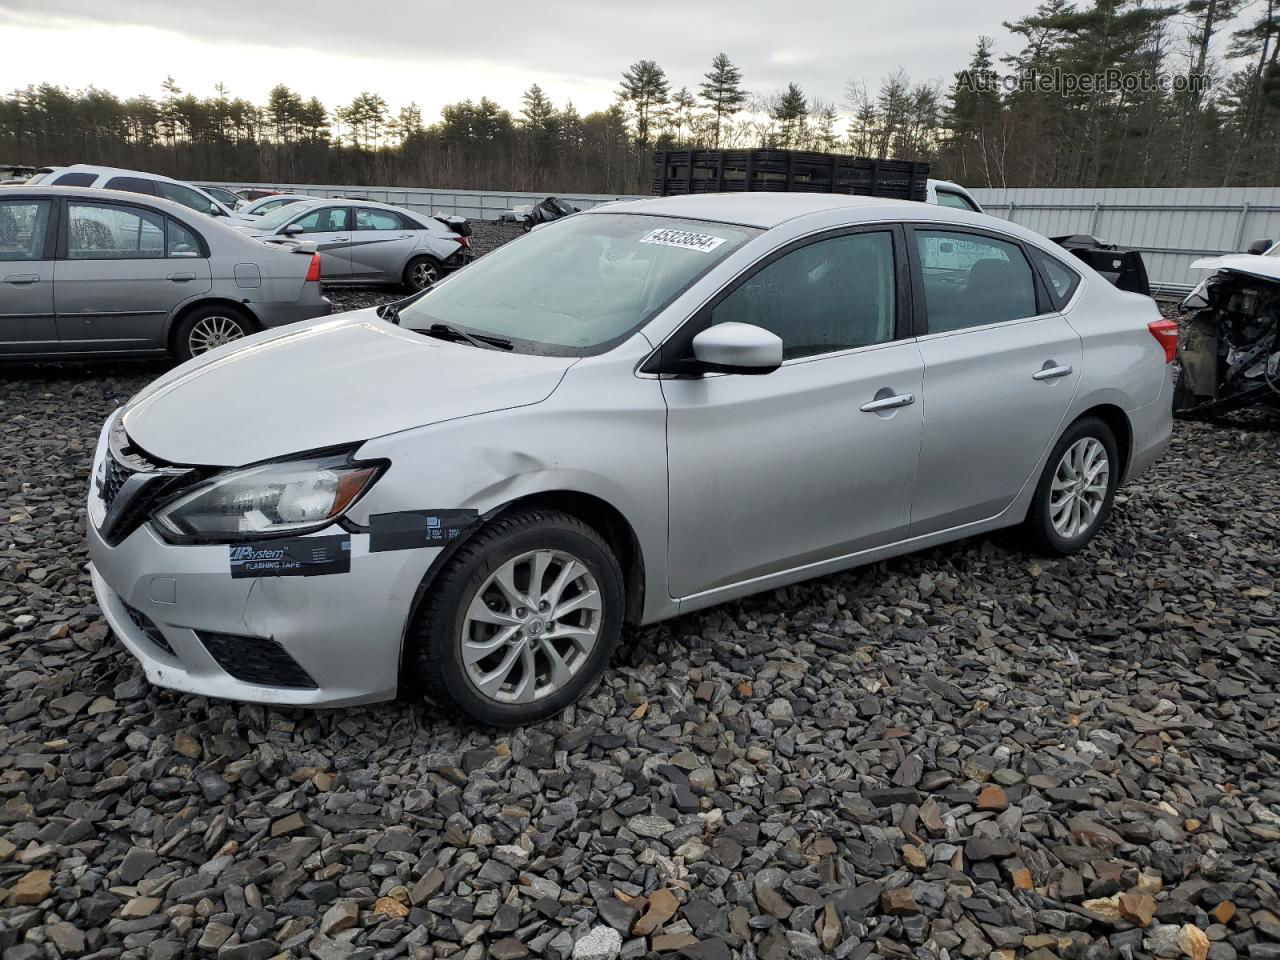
x: 114, y: 196
x: 768, y: 210
x: 105, y: 171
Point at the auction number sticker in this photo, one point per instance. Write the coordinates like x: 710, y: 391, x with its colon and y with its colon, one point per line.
x: 702, y: 242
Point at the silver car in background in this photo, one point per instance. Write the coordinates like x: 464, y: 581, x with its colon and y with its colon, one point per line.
x: 365, y: 242
x: 250, y: 211
x: 86, y: 272
x: 716, y: 395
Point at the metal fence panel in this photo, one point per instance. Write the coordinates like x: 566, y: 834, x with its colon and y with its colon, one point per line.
x: 1171, y: 226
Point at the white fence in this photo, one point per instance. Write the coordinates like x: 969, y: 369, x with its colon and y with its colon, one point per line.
x: 1172, y: 227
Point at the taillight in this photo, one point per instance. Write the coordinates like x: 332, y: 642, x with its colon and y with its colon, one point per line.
x: 313, y: 271
x: 1166, y: 334
x: 465, y: 241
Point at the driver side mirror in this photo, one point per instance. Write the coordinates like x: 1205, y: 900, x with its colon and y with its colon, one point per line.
x: 737, y: 348
x: 292, y: 229
x: 1260, y: 247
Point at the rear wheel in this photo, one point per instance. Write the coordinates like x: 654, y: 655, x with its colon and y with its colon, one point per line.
x: 522, y: 621
x: 206, y: 328
x: 422, y: 272
x: 1075, y: 491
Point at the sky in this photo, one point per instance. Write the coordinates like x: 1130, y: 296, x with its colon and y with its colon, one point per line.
x: 442, y: 51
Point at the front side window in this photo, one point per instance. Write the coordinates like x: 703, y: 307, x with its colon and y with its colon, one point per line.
x: 323, y: 220
x: 835, y: 294
x: 579, y: 285
x: 23, y: 228
x: 376, y: 220
x: 105, y: 232
x: 192, y: 199
x: 972, y: 280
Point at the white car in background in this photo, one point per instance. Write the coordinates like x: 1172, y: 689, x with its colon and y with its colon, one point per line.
x: 947, y: 194
x: 250, y: 210
x: 136, y: 181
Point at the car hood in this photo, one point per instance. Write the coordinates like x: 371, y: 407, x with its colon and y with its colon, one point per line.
x: 1266, y: 268
x: 325, y: 383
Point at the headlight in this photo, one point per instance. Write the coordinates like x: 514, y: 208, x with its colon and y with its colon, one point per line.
x: 276, y: 498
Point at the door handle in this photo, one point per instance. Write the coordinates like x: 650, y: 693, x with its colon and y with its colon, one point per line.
x: 181, y: 277
x: 22, y: 278
x: 1052, y: 373
x: 341, y: 239
x: 888, y: 403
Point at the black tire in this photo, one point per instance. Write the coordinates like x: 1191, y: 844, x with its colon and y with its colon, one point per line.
x: 436, y: 633
x: 527, y: 224
x: 1038, y: 529
x: 192, y: 335
x: 421, y: 272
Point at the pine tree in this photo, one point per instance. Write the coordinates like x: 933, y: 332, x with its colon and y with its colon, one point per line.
x: 722, y: 92
x: 789, y: 113
x: 646, y: 89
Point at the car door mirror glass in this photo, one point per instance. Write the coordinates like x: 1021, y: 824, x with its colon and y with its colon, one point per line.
x: 737, y: 348
x: 1259, y: 247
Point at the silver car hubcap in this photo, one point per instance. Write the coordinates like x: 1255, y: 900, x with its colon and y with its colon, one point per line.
x: 424, y: 274
x: 210, y: 332
x: 532, y: 625
x: 1079, y: 488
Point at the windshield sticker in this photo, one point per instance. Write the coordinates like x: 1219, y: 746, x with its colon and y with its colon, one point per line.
x: 300, y: 557
x: 411, y: 529
x: 702, y: 242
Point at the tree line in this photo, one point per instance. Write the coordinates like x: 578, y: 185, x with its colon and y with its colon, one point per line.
x: 1096, y: 93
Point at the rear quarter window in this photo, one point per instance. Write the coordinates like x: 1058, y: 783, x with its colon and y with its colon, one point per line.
x: 1060, y: 279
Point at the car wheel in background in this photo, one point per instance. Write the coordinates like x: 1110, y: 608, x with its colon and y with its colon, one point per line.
x: 522, y: 621
x: 205, y: 328
x: 1075, y: 491
x: 422, y: 272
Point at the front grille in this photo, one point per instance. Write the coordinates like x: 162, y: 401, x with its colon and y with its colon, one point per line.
x: 113, y: 478
x: 132, y: 485
x: 257, y: 660
x: 149, y: 629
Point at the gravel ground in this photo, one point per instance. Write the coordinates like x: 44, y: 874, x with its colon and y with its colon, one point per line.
x: 967, y: 753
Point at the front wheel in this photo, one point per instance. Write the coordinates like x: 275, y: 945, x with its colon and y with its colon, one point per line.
x: 205, y: 328
x: 522, y: 621
x: 1075, y: 491
x: 422, y: 272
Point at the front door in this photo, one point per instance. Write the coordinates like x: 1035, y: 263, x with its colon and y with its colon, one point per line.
x: 26, y: 278
x: 126, y: 268
x: 815, y: 460
x: 1000, y: 370
x: 329, y: 228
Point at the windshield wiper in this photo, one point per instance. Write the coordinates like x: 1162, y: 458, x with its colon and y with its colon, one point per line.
x: 444, y: 331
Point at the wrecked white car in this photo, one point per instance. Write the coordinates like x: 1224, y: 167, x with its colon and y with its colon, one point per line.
x: 1229, y: 344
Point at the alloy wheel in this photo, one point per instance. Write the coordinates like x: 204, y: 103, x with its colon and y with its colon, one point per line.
x: 213, y: 331
x: 1079, y: 487
x: 531, y: 626
x: 423, y: 274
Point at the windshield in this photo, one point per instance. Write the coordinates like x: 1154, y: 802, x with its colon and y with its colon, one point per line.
x: 278, y: 218
x: 580, y: 285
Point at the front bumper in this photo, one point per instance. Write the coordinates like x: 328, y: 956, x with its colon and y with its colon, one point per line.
x: 344, y: 630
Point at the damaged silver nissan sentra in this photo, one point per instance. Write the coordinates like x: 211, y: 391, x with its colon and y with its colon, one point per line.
x: 628, y: 414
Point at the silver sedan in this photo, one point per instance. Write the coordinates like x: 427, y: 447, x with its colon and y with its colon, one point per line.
x: 88, y: 272
x: 717, y: 395
x: 365, y: 242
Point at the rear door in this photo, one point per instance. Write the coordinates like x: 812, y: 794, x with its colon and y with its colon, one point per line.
x: 123, y: 269
x: 329, y: 229
x: 380, y: 244
x: 1000, y: 370
x: 26, y: 269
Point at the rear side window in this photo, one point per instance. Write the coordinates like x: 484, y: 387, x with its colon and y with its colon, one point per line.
x: 23, y: 228
x: 132, y: 185
x: 1060, y: 279
x: 180, y: 242
x: 972, y: 280
x: 107, y: 232
x: 377, y: 220
x: 75, y: 180
x: 832, y: 295
x: 948, y: 199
